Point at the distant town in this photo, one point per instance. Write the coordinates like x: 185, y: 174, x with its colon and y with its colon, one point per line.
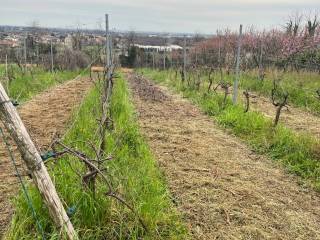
x: 15, y: 37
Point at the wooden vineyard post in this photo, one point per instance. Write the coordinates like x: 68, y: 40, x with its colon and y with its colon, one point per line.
x: 32, y: 158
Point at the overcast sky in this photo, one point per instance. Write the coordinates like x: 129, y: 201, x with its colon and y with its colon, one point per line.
x: 203, y: 16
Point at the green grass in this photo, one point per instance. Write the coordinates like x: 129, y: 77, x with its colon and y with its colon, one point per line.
x: 133, y: 172
x: 298, y: 152
x: 25, y: 85
x: 301, y: 86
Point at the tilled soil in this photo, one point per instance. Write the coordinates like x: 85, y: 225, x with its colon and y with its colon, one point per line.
x: 222, y: 188
x: 45, y: 115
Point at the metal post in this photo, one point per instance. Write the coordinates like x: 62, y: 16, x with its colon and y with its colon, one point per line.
x: 164, y: 60
x: 37, y: 54
x: 185, y: 58
x: 25, y: 52
x: 153, y: 59
x: 110, y: 49
x: 196, y: 53
x: 51, y: 52
x: 108, y: 81
x: 107, y: 43
x: 219, y: 53
x: 236, y: 81
x: 106, y: 94
x: 260, y: 61
x: 7, y: 75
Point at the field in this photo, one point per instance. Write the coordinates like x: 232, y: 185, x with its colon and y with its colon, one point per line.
x: 169, y: 171
x: 218, y: 138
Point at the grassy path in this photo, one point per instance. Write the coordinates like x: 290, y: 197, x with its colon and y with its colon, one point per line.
x: 45, y: 115
x: 224, y: 190
x: 132, y: 171
x: 23, y: 86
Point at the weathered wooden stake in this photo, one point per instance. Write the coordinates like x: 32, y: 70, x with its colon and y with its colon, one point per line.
x: 32, y: 158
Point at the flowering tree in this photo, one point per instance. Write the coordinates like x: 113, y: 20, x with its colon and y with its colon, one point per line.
x: 297, y: 45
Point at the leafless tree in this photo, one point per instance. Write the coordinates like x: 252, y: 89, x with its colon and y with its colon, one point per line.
x: 293, y: 24
x: 312, y: 24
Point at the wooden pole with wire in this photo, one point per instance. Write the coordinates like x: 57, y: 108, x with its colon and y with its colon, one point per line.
x: 41, y: 178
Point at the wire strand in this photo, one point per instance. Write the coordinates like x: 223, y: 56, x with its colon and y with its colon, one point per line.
x: 24, y: 189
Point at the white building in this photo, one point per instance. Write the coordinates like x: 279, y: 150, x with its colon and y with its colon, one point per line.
x: 150, y: 48
x: 68, y: 41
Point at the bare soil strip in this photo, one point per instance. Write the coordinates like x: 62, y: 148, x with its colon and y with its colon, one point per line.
x: 45, y: 115
x: 223, y: 189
